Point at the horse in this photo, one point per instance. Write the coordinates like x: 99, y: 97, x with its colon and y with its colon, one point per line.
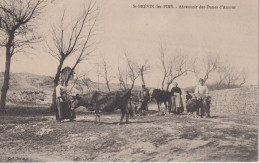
x: 105, y: 102
x: 161, y: 96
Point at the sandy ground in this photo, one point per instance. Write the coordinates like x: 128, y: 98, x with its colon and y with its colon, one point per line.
x: 32, y: 134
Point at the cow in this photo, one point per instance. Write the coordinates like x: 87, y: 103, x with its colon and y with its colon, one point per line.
x: 161, y: 96
x: 105, y: 102
x: 199, y: 106
x: 192, y: 106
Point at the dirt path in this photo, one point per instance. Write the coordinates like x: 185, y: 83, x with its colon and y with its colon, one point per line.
x: 38, y: 137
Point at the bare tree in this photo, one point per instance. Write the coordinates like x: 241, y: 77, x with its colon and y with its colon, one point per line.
x: 220, y: 79
x: 163, y: 50
x: 85, y: 51
x: 75, y: 40
x: 243, y: 77
x: 210, y: 64
x: 143, y: 69
x: 133, y: 71
x: 175, y: 66
x: 121, y: 79
x: 106, y: 74
x: 18, y: 19
x: 231, y: 76
x: 180, y: 65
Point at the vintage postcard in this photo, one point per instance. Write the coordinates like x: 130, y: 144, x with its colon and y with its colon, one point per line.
x: 129, y: 80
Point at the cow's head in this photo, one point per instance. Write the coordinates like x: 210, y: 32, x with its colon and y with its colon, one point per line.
x: 75, y: 102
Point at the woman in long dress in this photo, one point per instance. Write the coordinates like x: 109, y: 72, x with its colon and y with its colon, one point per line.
x: 177, y: 105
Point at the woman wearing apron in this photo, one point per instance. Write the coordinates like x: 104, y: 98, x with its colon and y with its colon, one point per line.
x: 177, y: 105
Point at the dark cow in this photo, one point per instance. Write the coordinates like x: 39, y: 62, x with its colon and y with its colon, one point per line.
x: 199, y: 106
x: 105, y: 102
x: 192, y: 105
x: 161, y: 96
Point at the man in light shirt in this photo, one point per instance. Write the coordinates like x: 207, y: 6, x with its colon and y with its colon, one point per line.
x: 201, y: 93
x: 60, y: 90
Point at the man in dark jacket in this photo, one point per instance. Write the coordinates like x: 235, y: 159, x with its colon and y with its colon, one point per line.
x: 143, y: 97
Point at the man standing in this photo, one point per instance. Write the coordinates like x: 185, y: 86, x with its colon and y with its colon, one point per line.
x: 201, y: 93
x: 60, y: 90
x: 143, y: 97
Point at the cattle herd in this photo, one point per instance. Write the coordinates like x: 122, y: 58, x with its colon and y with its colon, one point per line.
x: 125, y: 101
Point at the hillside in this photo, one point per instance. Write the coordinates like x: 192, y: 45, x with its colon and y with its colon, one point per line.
x: 27, y: 88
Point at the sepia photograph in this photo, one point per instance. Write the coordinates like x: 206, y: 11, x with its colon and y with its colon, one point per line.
x: 129, y: 80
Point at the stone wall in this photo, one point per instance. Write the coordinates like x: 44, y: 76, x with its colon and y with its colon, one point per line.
x: 238, y: 101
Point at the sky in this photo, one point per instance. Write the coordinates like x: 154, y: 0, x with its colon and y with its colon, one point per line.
x: 230, y: 33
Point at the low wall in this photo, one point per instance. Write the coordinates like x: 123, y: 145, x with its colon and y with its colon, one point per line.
x: 242, y: 100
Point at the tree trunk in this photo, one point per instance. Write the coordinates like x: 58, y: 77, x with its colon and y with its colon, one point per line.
x: 168, y: 86
x: 170, y: 82
x: 5, y: 87
x: 56, y: 82
x: 108, y: 86
x: 132, y: 86
x: 163, y: 81
x: 6, y: 78
x: 142, y: 75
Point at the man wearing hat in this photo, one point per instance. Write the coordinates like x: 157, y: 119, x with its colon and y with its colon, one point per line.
x: 143, y: 97
x: 201, y: 93
x: 176, y: 102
